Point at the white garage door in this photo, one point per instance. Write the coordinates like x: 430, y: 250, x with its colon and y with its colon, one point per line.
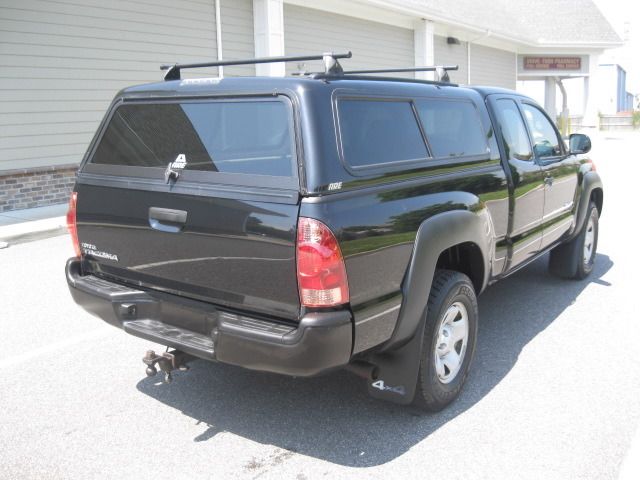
x: 62, y: 63
x: 489, y: 66
x: 493, y: 67
x: 237, y: 35
x: 374, y: 45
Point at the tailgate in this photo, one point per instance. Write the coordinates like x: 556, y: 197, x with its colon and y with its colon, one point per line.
x: 224, y: 230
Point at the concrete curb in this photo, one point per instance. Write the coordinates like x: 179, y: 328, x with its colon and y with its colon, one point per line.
x: 34, y: 230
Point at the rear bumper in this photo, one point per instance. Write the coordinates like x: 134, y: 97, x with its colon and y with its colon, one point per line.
x: 320, y: 342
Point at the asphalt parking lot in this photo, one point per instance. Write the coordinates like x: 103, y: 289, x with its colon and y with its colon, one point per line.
x: 554, y: 390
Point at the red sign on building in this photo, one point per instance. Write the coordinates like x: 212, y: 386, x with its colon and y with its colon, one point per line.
x: 552, y: 63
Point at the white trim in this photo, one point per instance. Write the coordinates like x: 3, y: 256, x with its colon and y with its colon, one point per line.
x: 361, y: 10
x: 423, y: 44
x: 545, y: 50
x: 550, y: 96
x: 590, y: 114
x: 590, y: 45
x: 268, y: 35
x: 219, y: 37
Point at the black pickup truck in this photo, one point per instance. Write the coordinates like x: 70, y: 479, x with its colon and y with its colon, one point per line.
x: 330, y: 220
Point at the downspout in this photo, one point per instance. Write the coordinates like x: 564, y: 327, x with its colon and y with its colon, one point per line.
x: 486, y: 34
x: 219, y: 37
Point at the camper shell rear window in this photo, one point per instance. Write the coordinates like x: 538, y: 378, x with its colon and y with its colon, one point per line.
x: 205, y: 140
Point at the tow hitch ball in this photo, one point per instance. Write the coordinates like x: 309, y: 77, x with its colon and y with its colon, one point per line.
x: 167, y: 361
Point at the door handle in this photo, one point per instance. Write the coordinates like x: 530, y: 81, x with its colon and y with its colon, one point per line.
x: 548, y: 180
x: 167, y: 219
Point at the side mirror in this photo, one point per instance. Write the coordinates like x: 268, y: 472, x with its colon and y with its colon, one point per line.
x: 579, y: 143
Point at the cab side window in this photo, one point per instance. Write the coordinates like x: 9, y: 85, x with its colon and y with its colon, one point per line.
x: 514, y: 133
x: 546, y: 143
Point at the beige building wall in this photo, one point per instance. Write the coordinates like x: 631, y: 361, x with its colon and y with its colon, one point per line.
x: 374, y: 44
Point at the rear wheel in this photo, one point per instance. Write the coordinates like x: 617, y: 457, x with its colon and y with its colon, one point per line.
x: 449, y: 340
x: 589, y: 243
x: 575, y: 259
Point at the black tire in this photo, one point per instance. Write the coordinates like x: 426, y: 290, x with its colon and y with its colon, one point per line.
x: 568, y: 260
x: 449, y: 289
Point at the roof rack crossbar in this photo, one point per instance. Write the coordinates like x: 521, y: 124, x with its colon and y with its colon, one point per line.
x: 379, y: 78
x: 441, y: 71
x: 330, y: 60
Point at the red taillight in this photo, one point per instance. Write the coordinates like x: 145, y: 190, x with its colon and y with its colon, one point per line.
x: 71, y: 223
x: 322, y: 278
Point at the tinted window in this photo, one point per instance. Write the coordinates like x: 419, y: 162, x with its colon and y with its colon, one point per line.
x: 251, y: 137
x: 514, y: 133
x: 378, y: 132
x: 453, y: 128
x: 545, y: 139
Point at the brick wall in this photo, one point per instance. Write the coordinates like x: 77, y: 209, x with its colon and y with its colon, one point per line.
x: 36, y: 187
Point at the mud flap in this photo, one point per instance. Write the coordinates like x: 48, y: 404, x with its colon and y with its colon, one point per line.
x: 564, y: 259
x: 397, y: 371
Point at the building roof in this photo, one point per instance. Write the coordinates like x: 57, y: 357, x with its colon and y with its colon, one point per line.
x: 543, y: 23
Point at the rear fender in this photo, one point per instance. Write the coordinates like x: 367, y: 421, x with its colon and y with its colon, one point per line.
x: 399, y: 360
x: 590, y: 181
x: 566, y: 257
